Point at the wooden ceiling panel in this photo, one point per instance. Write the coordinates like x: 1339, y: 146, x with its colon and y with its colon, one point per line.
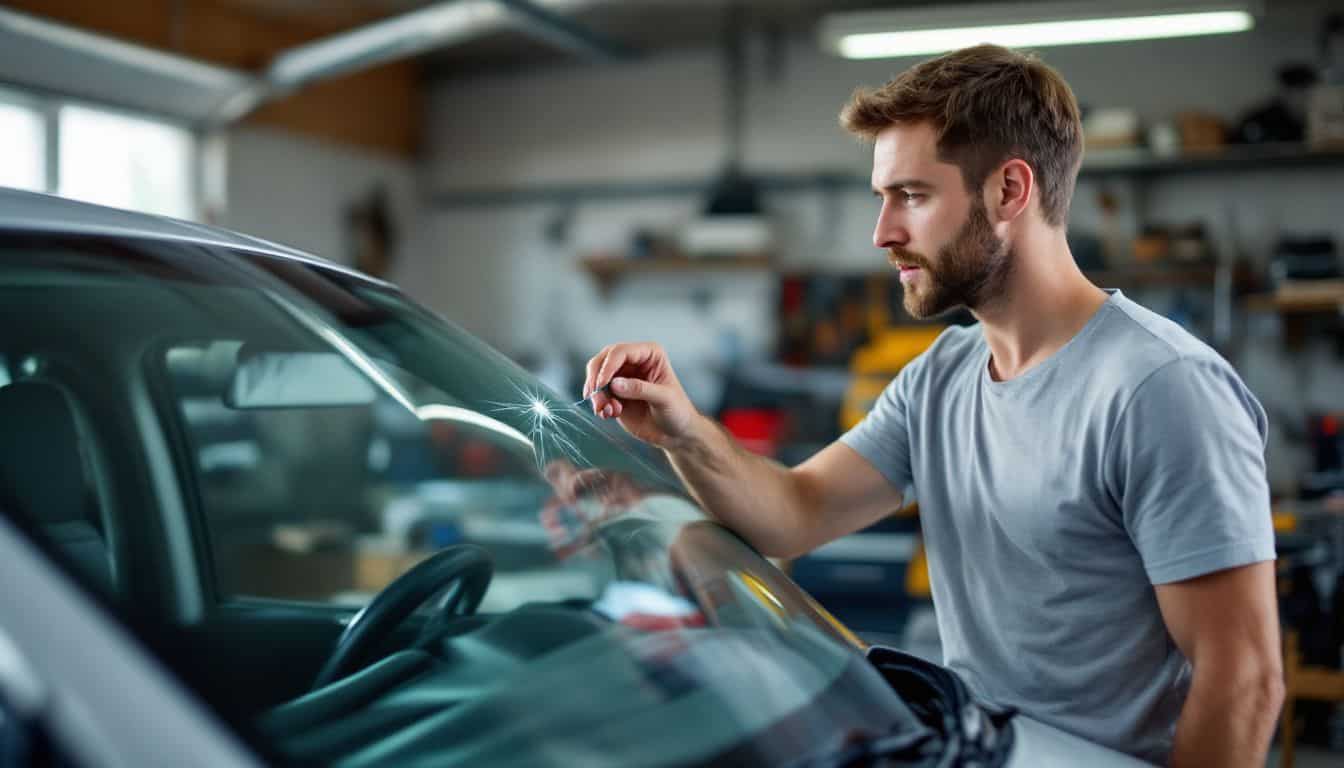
x: 377, y: 109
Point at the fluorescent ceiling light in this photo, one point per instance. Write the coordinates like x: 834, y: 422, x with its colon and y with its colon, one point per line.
x: 912, y: 33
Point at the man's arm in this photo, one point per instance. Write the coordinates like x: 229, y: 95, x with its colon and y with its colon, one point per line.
x: 1226, y: 624
x: 781, y: 512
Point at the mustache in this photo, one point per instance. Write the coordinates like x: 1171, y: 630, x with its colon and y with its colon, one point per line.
x: 909, y: 258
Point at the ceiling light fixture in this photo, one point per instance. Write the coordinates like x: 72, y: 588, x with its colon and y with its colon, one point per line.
x: 894, y: 34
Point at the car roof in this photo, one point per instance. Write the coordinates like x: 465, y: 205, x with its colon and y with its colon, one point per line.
x: 23, y: 211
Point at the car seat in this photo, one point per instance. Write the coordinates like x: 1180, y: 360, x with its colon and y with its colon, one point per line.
x: 44, y: 475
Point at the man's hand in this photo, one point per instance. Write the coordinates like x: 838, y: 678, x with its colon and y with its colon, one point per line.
x: 781, y: 512
x: 1226, y: 624
x: 645, y: 396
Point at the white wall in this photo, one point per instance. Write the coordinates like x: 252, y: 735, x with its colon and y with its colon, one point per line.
x: 296, y: 190
x: 493, y: 269
x: 662, y: 119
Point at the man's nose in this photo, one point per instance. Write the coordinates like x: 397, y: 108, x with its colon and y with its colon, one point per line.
x: 890, y: 231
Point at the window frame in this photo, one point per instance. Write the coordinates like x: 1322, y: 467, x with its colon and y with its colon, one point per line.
x: 153, y: 367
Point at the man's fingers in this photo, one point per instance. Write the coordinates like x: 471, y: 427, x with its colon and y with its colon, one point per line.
x: 623, y: 354
x: 594, y: 380
x: 617, y: 356
x: 610, y: 364
x: 638, y: 389
x: 594, y: 365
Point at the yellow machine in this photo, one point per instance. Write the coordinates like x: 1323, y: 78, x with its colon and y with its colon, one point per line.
x: 874, y: 366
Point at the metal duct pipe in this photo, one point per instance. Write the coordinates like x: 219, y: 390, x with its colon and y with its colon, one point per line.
x: 398, y: 37
x: 451, y: 21
x: 45, y: 56
x: 62, y: 59
x: 546, y: 24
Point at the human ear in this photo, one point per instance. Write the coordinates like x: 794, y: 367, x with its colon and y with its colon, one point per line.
x: 1010, y: 190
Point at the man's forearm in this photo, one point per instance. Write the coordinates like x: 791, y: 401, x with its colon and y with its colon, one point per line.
x: 1227, y: 723
x: 755, y: 496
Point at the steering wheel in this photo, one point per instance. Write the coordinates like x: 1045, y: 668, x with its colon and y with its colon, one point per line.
x: 466, y: 567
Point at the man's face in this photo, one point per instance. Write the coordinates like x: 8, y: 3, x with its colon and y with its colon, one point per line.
x: 933, y: 230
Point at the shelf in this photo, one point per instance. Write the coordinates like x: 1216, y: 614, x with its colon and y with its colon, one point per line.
x: 1233, y: 157
x: 1301, y: 297
x: 1097, y: 164
x: 608, y: 269
x: 1173, y: 275
x: 1154, y: 276
x: 1320, y: 296
x: 831, y: 382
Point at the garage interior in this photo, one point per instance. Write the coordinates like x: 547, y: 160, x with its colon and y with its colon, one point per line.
x: 557, y: 175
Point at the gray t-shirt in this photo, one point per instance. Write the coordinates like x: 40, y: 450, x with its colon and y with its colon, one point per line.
x: 1051, y: 504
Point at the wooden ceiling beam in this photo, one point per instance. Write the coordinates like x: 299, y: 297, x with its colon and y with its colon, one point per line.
x: 378, y: 109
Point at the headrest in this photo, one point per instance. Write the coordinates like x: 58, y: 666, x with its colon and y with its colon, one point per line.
x: 40, y: 461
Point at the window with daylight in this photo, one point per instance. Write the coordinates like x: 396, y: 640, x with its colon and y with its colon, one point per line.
x: 23, y: 135
x: 98, y: 155
x: 114, y: 159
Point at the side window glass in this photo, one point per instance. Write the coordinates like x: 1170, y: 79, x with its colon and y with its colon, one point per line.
x: 328, y: 496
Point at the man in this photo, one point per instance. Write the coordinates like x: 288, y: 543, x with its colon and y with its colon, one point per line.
x: 1090, y: 477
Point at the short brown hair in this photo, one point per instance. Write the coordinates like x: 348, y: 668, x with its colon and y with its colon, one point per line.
x: 987, y: 104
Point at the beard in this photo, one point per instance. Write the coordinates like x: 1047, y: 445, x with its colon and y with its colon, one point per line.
x: 970, y: 272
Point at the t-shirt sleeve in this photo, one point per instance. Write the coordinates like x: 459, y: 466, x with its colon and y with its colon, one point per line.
x: 1186, y: 465
x: 883, y: 436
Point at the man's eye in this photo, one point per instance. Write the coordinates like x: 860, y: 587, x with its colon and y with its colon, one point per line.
x: 912, y: 197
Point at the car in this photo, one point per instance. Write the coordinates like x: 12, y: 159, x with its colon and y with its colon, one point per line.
x: 261, y: 509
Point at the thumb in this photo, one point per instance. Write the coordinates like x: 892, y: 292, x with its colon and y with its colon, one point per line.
x: 638, y: 389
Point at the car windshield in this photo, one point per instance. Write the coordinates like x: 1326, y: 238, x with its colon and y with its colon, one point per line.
x: 311, y: 435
